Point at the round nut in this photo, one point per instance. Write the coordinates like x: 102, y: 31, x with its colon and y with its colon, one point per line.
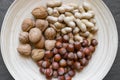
x: 37, y: 54
x: 50, y: 33
x: 40, y: 12
x: 35, y: 35
x: 50, y: 44
x: 24, y: 37
x: 41, y: 43
x: 41, y: 24
x: 24, y: 49
x: 27, y: 24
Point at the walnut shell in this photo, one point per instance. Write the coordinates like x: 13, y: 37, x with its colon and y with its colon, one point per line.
x: 24, y: 49
x: 41, y: 24
x: 37, y: 54
x: 27, y: 24
x: 50, y: 44
x: 50, y: 33
x: 24, y: 37
x: 41, y: 43
x: 40, y: 12
x: 35, y: 35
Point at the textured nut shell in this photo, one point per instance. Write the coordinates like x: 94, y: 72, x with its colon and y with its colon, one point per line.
x: 35, y: 35
x: 24, y: 37
x: 40, y: 12
x: 40, y: 44
x: 41, y: 24
x: 27, y: 24
x: 24, y: 49
x: 37, y: 54
x: 50, y: 44
x: 50, y: 33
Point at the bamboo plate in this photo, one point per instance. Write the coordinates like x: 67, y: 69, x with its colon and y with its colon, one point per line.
x: 25, y: 69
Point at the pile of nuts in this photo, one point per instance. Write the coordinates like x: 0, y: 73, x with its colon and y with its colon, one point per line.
x: 60, y: 39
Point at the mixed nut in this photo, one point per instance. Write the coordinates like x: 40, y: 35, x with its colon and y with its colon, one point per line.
x: 60, y: 39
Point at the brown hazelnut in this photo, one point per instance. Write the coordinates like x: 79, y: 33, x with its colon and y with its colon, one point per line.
x: 41, y: 24
x: 71, y: 73
x: 24, y: 37
x: 55, y: 51
x: 50, y: 33
x: 45, y: 64
x: 77, y: 65
x: 37, y: 54
x: 70, y: 62
x: 49, y: 73
x: 91, y: 48
x: 62, y: 51
x: 55, y: 74
x: 84, y: 62
x: 70, y: 48
x: 65, y: 38
x: 42, y: 70
x: 39, y: 63
x: 71, y: 55
x: 24, y: 49
x: 57, y: 57
x: 40, y: 44
x: 50, y: 44
x: 65, y: 55
x: 85, y: 43
x: 80, y: 55
x: 77, y: 45
x: 63, y: 63
x: 35, y: 35
x: 86, y: 51
x: 58, y: 45
x: 40, y: 12
x: 61, y: 71
x: 65, y: 45
x: 55, y: 65
x: 75, y: 57
x: 27, y: 24
x: 94, y: 42
x: 67, y: 77
x: 61, y: 78
x: 59, y: 38
x: 48, y: 54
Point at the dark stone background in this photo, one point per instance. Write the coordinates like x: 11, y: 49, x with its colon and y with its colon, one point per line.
x: 114, y: 6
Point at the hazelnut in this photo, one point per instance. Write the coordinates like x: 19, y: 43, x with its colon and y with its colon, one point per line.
x: 48, y: 54
x: 62, y: 51
x: 61, y: 71
x: 77, y: 65
x: 42, y: 70
x: 35, y: 35
x: 77, y: 45
x: 63, y: 63
x: 65, y: 38
x: 70, y: 55
x: 75, y: 57
x: 57, y: 57
x: 61, y: 78
x: 39, y: 63
x: 40, y: 44
x: 50, y: 44
x: 55, y: 65
x: 49, y: 73
x: 24, y: 49
x: 45, y: 64
x: 71, y: 73
x: 59, y: 38
x: 67, y: 77
x: 37, y: 54
x: 70, y: 62
x: 27, y: 24
x: 94, y: 42
x: 41, y: 24
x: 70, y: 48
x: 91, y: 48
x: 55, y: 51
x: 50, y: 33
x: 85, y: 43
x: 24, y: 37
x: 80, y: 55
x: 84, y: 62
x: 55, y: 74
x: 40, y: 12
x: 86, y: 51
x: 58, y: 45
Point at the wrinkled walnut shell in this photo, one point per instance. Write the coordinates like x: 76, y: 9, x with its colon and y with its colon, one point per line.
x: 40, y: 12
x: 24, y: 37
x: 50, y: 44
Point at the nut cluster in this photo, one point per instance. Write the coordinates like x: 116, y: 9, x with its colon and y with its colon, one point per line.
x: 60, y: 38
